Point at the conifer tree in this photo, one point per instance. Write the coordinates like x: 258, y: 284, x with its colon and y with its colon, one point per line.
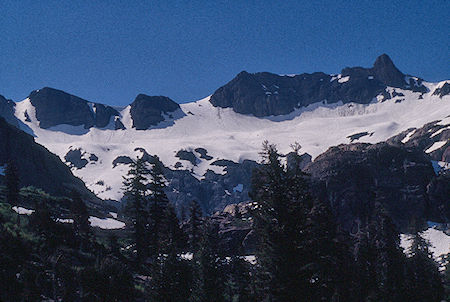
x: 158, y: 204
x: 381, y: 263
x: 282, y: 199
x: 239, y: 281
x: 330, y: 259
x: 81, y: 225
x: 208, y: 283
x: 135, y: 187
x: 447, y: 276
x: 12, y: 183
x: 44, y: 224
x: 391, y: 261
x: 425, y: 283
x: 195, y: 222
x: 171, y: 274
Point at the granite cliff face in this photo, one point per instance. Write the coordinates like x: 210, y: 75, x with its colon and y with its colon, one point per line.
x: 352, y: 177
x: 264, y: 94
x: 54, y: 107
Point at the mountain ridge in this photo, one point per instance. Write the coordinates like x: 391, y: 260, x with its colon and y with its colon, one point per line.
x: 205, y: 147
x: 261, y: 94
x: 264, y: 94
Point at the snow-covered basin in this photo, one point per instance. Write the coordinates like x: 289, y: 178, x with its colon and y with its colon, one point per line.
x: 226, y: 134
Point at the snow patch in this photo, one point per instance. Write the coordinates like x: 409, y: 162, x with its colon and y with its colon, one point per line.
x: 435, y: 146
x: 64, y: 220
x: 2, y: 169
x: 126, y: 118
x: 408, y: 136
x: 250, y: 259
x: 440, y: 242
x: 344, y: 79
x: 106, y: 223
x: 440, y: 131
x: 187, y: 256
x: 22, y: 211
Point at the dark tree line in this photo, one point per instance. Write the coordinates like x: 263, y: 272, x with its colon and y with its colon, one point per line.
x: 301, y: 253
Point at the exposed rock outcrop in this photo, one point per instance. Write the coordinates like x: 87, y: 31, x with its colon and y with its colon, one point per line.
x: 352, y: 177
x: 442, y: 91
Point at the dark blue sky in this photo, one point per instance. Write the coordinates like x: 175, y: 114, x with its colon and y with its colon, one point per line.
x: 109, y: 51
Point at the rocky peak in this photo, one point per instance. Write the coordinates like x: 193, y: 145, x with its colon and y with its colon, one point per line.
x: 263, y: 94
x: 385, y: 71
x: 148, y: 111
x: 55, y: 107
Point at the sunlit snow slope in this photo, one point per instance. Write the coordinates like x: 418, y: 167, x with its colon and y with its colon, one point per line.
x: 229, y: 135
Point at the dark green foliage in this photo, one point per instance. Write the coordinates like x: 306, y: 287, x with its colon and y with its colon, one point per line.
x: 329, y: 259
x: 108, y: 281
x: 239, y: 285
x: 391, y: 259
x: 171, y: 275
x: 12, y: 183
x: 301, y: 254
x: 424, y: 280
x: 380, y: 262
x: 81, y: 225
x: 170, y: 283
x: 158, y: 203
x: 280, y: 224
x: 208, y: 284
x: 135, y: 187
x: 447, y: 277
x: 14, y: 253
x: 195, y: 222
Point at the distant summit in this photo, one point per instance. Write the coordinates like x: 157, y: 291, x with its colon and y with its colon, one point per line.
x: 385, y: 71
x: 148, y: 111
x: 54, y: 107
x: 261, y: 94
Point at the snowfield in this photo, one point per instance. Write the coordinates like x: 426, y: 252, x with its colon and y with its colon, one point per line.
x: 229, y: 135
